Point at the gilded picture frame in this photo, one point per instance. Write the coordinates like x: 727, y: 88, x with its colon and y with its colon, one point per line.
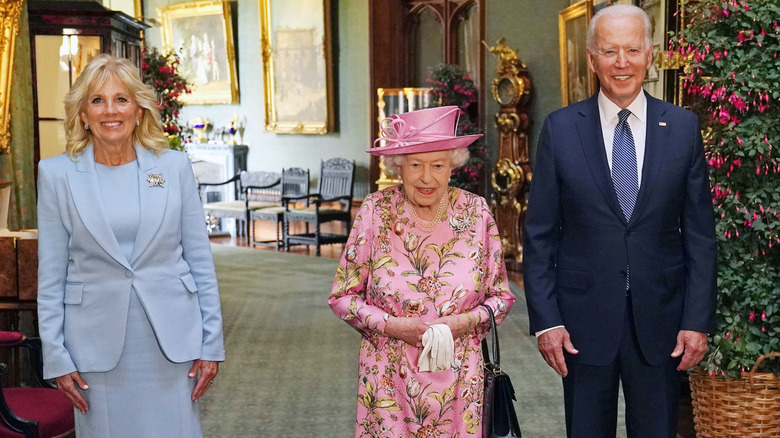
x: 577, y: 81
x: 203, y: 33
x: 9, y: 28
x: 296, y: 47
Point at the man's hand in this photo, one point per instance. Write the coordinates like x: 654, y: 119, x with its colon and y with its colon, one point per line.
x: 694, y: 344
x: 551, y: 345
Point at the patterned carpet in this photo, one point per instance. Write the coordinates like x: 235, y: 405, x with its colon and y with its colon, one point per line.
x: 291, y: 365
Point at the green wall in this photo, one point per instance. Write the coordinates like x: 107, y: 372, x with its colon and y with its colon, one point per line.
x: 531, y: 28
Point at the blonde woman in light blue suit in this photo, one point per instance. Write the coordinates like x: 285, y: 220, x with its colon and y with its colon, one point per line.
x: 128, y: 305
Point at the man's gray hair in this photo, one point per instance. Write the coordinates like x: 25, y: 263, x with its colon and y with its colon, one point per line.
x: 618, y: 11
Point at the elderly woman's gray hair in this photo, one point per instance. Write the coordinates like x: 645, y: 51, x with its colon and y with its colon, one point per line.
x: 393, y: 163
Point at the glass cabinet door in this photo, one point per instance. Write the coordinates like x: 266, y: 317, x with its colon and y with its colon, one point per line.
x: 59, y: 59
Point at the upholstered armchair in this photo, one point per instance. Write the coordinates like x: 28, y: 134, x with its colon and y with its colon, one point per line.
x: 41, y: 411
x: 331, y: 203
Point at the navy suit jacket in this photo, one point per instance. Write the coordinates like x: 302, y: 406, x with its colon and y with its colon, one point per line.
x: 85, y: 281
x: 577, y: 244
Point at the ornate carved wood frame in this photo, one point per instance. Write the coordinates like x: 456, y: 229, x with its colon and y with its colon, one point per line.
x: 9, y: 27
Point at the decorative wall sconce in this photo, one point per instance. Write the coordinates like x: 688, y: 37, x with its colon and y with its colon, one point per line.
x: 9, y: 27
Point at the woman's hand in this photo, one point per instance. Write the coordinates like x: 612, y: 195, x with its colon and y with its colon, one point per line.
x: 66, y: 386
x: 208, y: 371
x: 459, y: 324
x: 409, y: 330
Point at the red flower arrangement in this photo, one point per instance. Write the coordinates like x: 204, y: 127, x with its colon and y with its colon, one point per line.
x: 161, y: 71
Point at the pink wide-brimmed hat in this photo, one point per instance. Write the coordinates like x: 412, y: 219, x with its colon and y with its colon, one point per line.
x: 425, y: 130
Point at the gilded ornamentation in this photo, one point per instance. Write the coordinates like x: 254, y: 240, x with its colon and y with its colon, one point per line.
x: 9, y: 27
x: 511, y: 89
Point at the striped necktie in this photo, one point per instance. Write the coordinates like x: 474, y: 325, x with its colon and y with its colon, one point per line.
x: 624, y: 169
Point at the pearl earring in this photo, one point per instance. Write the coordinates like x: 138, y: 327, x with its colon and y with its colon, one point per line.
x: 137, y: 123
x: 86, y: 126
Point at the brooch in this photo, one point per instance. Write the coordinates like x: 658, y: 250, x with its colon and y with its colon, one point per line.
x: 460, y: 223
x: 155, y: 180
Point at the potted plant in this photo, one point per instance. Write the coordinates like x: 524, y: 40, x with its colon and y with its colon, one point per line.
x: 733, y: 79
x: 161, y: 71
x: 452, y: 86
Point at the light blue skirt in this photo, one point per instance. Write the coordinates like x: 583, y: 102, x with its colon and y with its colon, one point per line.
x: 146, y: 395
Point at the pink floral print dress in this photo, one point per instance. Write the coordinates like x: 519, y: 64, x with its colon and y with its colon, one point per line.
x: 391, y: 267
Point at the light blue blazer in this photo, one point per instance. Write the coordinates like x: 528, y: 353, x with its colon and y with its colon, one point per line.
x: 85, y: 281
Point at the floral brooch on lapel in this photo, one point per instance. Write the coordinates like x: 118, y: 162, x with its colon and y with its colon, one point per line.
x: 155, y: 180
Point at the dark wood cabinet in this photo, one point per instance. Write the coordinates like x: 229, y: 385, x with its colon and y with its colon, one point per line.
x: 64, y: 37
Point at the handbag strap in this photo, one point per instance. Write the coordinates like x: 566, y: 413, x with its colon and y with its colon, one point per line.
x: 496, y: 350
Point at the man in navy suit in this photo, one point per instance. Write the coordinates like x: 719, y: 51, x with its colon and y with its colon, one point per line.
x: 619, y: 249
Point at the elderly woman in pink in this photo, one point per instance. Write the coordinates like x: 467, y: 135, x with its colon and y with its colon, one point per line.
x: 422, y: 260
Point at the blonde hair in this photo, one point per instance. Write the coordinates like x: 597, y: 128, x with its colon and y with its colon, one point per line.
x: 393, y: 163
x: 149, y: 133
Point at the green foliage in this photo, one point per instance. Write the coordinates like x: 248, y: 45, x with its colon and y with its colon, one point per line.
x: 452, y: 86
x: 161, y: 71
x: 734, y: 77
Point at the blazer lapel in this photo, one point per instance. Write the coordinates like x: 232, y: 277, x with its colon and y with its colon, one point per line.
x: 85, y: 190
x: 656, y: 140
x: 153, y: 190
x: 592, y: 141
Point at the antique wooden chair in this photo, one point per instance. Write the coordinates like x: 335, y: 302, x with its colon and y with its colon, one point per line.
x: 295, y: 183
x: 39, y: 411
x: 255, y: 190
x: 331, y: 203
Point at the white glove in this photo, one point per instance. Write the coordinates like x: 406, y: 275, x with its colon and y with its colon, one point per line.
x: 438, y: 349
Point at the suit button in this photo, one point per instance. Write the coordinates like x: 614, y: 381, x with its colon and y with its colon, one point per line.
x: 623, y: 273
x: 128, y: 274
x: 629, y: 233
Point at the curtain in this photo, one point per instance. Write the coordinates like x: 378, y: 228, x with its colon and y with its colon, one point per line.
x: 19, y: 166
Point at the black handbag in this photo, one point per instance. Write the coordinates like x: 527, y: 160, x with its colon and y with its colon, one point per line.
x: 498, y: 412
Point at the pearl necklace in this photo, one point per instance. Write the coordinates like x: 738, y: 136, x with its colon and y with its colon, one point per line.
x: 428, y: 226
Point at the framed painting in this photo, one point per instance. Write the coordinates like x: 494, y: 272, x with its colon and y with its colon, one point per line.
x: 203, y: 33
x: 577, y: 81
x: 297, y: 66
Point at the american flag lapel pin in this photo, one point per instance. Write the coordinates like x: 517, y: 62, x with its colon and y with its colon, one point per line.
x: 662, y: 124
